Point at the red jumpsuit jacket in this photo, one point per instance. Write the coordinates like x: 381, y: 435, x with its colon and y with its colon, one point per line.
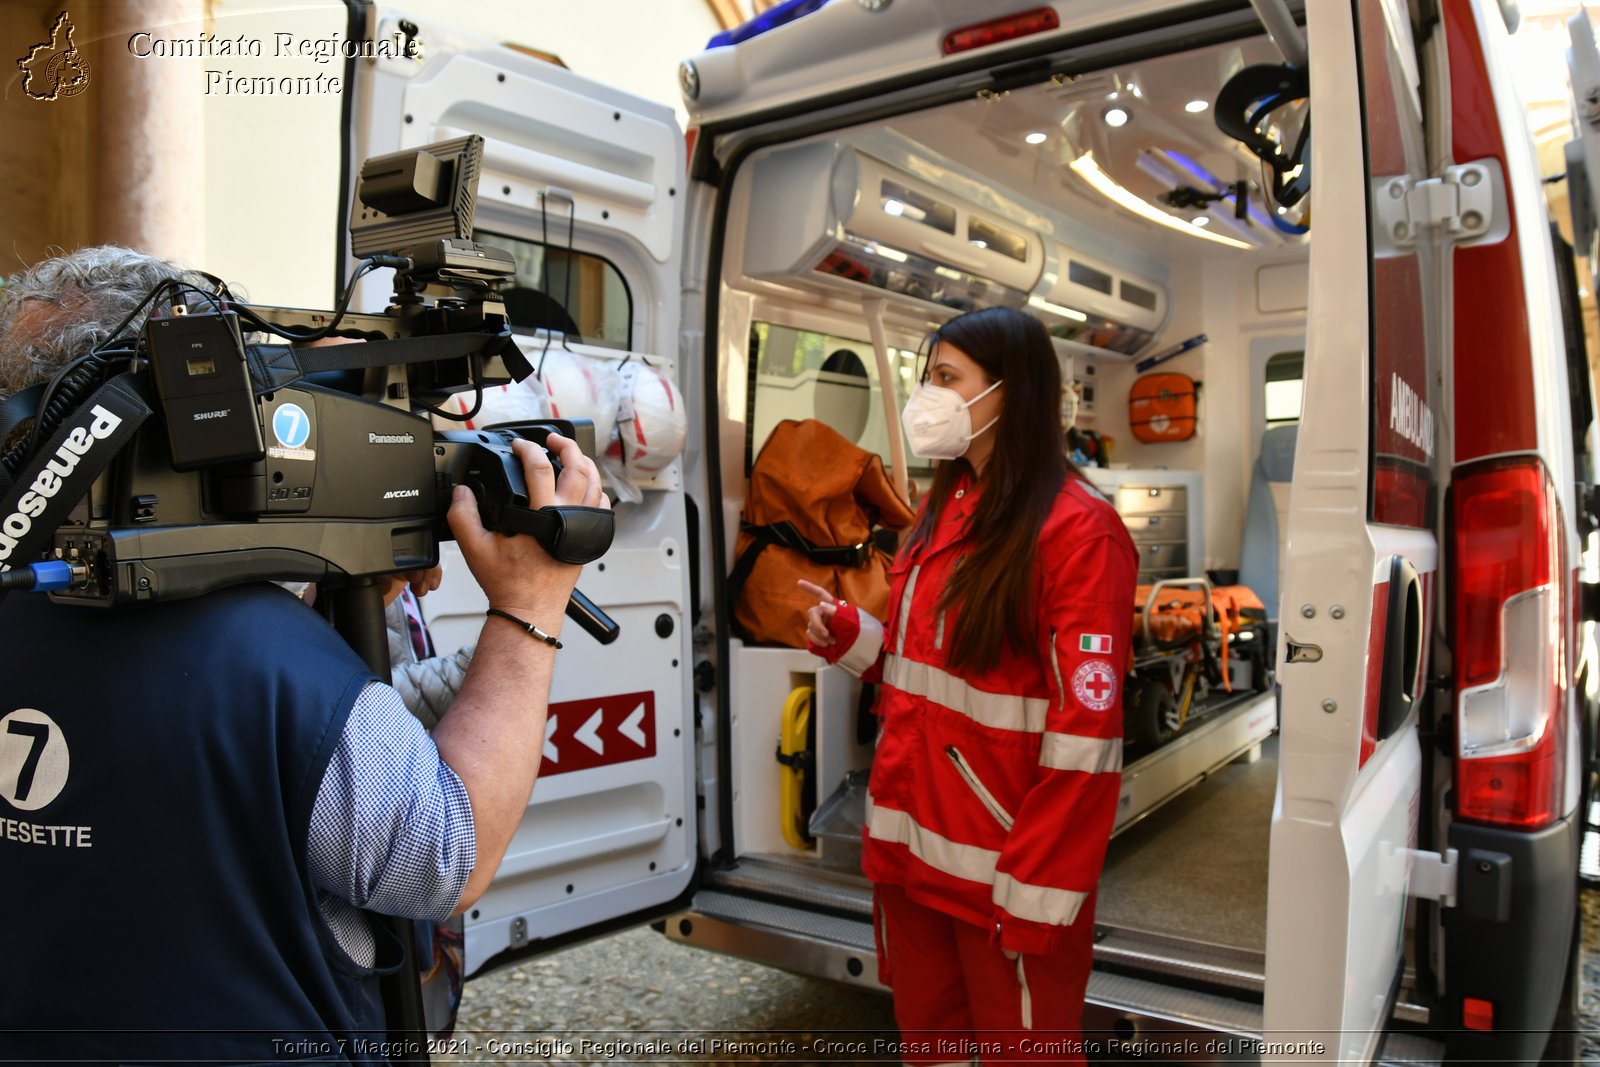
x: 993, y: 794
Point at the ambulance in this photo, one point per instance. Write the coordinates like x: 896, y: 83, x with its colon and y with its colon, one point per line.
x: 1368, y: 851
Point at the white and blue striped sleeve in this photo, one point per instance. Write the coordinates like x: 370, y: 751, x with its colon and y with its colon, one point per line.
x: 391, y: 829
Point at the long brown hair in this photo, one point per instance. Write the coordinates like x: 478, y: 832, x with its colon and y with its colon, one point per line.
x: 994, y: 583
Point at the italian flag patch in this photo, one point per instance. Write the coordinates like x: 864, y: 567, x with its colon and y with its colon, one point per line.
x: 1094, y: 643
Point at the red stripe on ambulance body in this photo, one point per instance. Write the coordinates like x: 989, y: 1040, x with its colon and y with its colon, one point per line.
x: 1494, y: 407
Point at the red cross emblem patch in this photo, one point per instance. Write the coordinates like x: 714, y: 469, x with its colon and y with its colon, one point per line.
x: 1095, y: 684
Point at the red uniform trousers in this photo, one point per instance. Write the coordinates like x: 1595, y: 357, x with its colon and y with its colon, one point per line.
x: 958, y: 999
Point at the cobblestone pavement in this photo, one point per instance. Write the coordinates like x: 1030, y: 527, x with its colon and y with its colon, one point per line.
x: 1589, y: 1018
x: 622, y: 998
x: 637, y: 997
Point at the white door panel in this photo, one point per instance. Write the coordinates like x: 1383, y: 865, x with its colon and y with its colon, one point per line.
x: 1350, y: 760
x: 545, y: 129
x: 609, y: 831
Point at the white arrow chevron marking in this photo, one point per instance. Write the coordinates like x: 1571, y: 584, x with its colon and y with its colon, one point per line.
x: 630, y: 726
x: 549, y: 745
x: 589, y: 732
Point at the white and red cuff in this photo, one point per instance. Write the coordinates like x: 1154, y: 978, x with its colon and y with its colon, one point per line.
x: 857, y: 640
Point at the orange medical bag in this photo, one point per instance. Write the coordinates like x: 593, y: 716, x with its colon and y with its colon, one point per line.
x: 814, y: 500
x: 1161, y: 407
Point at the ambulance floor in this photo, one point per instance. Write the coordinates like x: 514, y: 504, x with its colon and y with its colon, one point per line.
x: 1196, y: 868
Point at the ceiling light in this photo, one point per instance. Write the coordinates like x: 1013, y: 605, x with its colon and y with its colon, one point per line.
x: 1037, y: 138
x: 893, y: 207
x: 1112, y: 95
x: 1087, y: 169
x: 1116, y: 117
x: 1283, y: 211
x: 1056, y: 309
x: 888, y: 253
x: 1194, y: 107
x: 1134, y: 89
x: 1201, y: 220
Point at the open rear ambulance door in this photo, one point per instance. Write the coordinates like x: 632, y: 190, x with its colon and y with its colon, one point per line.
x: 608, y: 838
x: 1362, y: 554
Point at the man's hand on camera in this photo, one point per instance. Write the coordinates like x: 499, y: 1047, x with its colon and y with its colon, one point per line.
x: 515, y: 572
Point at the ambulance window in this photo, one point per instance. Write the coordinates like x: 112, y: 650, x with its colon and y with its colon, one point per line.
x: 1284, y: 381
x: 576, y: 293
x: 1139, y: 296
x: 987, y: 235
x: 896, y: 199
x: 1098, y: 280
x: 806, y: 374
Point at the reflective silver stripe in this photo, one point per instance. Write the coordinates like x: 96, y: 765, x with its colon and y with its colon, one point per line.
x: 1000, y: 711
x: 953, y: 858
x: 905, y: 611
x: 1037, y: 903
x: 1092, y: 493
x: 1071, y: 752
x: 868, y: 643
x: 1027, y: 997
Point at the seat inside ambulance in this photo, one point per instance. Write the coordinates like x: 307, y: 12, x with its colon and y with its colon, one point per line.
x: 1266, y: 524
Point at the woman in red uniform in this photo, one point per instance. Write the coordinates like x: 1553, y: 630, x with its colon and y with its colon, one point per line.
x: 997, y: 770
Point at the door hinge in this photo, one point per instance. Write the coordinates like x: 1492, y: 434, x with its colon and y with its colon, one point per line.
x: 1461, y: 202
x: 1433, y: 877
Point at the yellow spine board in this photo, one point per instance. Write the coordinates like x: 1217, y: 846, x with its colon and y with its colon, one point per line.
x: 792, y: 780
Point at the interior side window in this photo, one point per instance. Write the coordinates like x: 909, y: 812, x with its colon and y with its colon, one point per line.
x: 581, y: 295
x: 1285, y: 374
x: 803, y: 374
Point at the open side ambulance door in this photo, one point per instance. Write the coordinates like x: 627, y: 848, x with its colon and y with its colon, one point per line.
x: 1583, y: 151
x: 1362, y: 554
x: 608, y: 837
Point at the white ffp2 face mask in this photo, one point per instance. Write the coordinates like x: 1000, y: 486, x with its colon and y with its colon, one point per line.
x: 937, y: 422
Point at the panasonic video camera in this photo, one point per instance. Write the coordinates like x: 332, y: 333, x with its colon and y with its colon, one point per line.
x: 183, y: 459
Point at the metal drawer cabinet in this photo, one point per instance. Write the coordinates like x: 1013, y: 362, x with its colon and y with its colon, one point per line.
x: 1135, y: 500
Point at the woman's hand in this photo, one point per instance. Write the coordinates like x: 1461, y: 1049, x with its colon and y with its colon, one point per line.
x: 819, y: 620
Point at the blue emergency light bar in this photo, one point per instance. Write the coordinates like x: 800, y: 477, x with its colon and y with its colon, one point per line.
x: 771, y: 19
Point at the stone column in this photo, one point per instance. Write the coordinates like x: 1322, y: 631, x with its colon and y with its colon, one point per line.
x: 151, y: 139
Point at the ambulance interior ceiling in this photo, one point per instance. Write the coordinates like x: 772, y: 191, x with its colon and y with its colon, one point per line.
x: 1164, y: 139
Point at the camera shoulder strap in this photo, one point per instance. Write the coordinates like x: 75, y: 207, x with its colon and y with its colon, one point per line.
x: 52, y: 483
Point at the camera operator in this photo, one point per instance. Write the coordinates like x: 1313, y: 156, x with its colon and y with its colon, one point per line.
x: 200, y: 794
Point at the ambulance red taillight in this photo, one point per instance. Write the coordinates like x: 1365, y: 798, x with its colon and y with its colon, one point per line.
x: 994, y: 31
x: 1510, y: 644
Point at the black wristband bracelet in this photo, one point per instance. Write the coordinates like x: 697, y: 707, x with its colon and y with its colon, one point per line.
x: 533, y: 631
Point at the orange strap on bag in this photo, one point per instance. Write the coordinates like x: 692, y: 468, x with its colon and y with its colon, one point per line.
x: 1161, y: 407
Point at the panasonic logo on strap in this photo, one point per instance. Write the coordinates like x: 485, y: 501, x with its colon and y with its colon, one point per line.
x: 50, y: 481
x: 390, y: 439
